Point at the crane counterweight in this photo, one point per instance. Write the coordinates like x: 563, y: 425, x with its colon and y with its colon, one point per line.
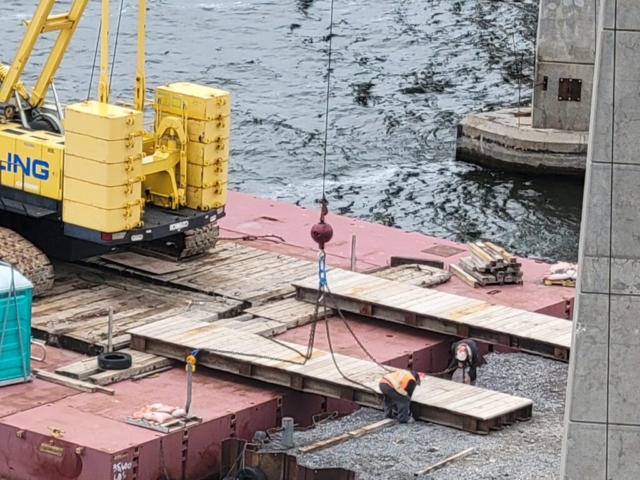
x: 91, y: 178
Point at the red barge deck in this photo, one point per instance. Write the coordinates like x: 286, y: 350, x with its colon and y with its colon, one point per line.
x: 96, y: 443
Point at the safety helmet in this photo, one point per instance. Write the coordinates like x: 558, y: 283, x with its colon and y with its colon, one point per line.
x: 461, y: 353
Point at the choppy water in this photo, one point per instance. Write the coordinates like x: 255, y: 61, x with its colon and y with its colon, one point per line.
x: 404, y: 73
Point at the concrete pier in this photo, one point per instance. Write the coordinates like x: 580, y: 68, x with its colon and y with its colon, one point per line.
x: 602, y: 425
x: 565, y: 54
x: 552, y: 138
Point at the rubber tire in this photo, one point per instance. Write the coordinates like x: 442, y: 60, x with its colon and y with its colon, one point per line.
x: 251, y: 473
x: 114, y: 361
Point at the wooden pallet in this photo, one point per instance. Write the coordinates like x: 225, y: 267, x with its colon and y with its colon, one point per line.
x: 439, y: 401
x: 488, y: 265
x: 87, y: 370
x: 230, y: 270
x: 562, y: 283
x: 74, y: 315
x: 444, y: 313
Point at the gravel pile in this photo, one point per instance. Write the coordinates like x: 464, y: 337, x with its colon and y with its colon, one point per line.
x: 529, y: 450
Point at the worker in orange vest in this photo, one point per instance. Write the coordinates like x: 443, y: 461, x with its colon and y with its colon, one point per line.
x: 397, y: 389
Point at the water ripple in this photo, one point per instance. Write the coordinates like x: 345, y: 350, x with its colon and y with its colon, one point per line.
x: 404, y: 74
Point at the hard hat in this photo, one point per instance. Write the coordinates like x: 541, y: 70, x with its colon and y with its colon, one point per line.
x: 461, y: 353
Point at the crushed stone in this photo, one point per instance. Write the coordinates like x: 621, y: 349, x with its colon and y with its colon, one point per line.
x: 524, y: 451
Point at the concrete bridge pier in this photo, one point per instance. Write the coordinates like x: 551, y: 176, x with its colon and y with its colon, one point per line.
x: 551, y: 135
x: 602, y: 424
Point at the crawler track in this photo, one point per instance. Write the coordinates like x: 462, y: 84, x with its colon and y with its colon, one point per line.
x: 27, y: 259
x: 185, y: 245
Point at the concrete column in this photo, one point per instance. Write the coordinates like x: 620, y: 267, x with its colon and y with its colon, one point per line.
x: 602, y: 424
x: 565, y: 50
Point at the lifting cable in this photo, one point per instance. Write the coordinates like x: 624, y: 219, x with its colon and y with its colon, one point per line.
x: 321, y: 234
x: 115, y: 49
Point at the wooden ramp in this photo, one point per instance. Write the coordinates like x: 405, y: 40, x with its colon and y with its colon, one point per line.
x: 439, y: 401
x: 443, y: 313
x: 230, y: 270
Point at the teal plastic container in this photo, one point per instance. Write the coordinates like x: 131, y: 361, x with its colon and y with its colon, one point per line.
x: 16, y: 297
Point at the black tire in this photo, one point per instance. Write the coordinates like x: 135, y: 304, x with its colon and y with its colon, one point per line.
x: 251, y: 473
x: 114, y: 361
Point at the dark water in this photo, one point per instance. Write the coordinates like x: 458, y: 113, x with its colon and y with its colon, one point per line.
x: 404, y: 73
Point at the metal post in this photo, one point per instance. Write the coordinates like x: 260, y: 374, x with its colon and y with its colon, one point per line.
x: 353, y: 253
x: 110, y: 331
x: 187, y: 407
x: 287, y: 432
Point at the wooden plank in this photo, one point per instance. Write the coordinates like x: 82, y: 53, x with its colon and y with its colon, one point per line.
x: 446, y: 461
x: 138, y: 366
x: 71, y: 383
x: 501, y: 251
x: 145, y: 263
x: 396, y: 261
x: 446, y: 313
x: 80, y: 370
x: 242, y: 353
x: 464, y: 276
x: 360, y: 432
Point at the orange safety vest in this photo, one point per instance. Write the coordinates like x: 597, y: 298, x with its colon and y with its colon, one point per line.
x: 398, y: 380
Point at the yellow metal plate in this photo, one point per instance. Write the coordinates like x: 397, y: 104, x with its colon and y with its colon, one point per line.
x: 52, y: 154
x: 204, y: 153
x: 30, y: 161
x: 206, y: 176
x: 206, y: 198
x: 99, y: 196
x: 109, y: 175
x: 99, y: 120
x: 202, y: 103
x: 107, y: 221
x: 206, y: 131
x: 100, y: 150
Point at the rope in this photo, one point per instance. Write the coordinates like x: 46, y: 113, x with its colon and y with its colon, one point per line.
x: 326, y: 115
x: 115, y: 47
x: 95, y: 58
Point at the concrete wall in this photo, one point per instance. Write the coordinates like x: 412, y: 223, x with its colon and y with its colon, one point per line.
x: 565, y: 48
x: 602, y: 424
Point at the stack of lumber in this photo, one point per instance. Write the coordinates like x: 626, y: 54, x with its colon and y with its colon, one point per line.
x: 488, y: 264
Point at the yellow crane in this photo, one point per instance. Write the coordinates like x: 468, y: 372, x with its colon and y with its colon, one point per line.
x: 88, y: 178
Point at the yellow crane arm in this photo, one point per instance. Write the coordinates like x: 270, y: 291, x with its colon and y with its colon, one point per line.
x: 18, y: 86
x: 41, y: 22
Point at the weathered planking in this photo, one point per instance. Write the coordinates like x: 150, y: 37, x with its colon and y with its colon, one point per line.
x: 229, y: 350
x: 443, y: 313
x: 87, y: 370
x: 289, y: 311
x: 77, y: 318
x: 412, y: 274
x: 230, y: 270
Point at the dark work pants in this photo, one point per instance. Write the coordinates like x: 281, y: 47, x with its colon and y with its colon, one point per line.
x: 394, y: 399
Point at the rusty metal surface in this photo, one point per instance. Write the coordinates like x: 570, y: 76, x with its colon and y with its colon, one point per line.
x: 443, y: 250
x: 569, y: 89
x: 21, y: 397
x: 276, y: 465
x: 31, y: 455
